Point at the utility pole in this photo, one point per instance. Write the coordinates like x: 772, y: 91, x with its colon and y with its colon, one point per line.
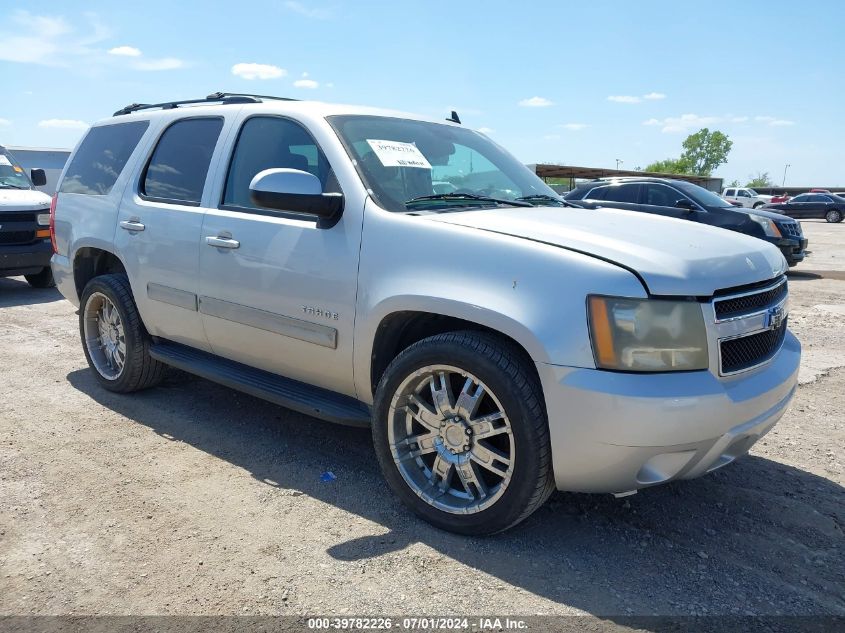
x: 785, y: 167
x: 619, y: 161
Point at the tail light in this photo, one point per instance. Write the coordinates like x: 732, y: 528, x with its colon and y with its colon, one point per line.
x: 53, y: 222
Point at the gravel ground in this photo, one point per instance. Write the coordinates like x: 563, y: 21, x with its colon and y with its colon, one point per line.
x: 195, y: 499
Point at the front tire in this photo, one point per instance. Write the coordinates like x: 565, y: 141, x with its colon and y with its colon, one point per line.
x: 41, y: 279
x: 757, y: 205
x: 461, y: 433
x: 834, y: 215
x: 115, y: 341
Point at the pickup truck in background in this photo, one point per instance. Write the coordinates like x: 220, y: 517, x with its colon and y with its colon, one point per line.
x: 746, y: 196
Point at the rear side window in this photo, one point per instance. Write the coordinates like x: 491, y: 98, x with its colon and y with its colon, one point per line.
x: 622, y: 193
x: 731, y: 193
x: 101, y: 157
x: 179, y: 165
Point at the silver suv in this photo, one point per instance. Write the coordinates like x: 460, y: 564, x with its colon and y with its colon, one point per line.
x: 377, y: 269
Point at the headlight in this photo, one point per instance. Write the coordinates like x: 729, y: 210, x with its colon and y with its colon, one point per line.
x: 769, y: 227
x: 43, y: 219
x: 647, y: 334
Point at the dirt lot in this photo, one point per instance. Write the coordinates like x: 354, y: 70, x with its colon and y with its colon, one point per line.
x: 194, y: 499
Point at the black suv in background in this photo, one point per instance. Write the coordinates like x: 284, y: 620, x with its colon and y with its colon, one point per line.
x: 681, y: 199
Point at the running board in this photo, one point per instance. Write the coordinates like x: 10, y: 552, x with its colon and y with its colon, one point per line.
x: 291, y: 394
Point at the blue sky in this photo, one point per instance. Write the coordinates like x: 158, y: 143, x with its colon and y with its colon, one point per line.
x: 572, y: 83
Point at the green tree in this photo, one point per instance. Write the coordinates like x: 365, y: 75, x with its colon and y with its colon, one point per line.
x: 760, y: 180
x: 669, y: 166
x: 704, y: 151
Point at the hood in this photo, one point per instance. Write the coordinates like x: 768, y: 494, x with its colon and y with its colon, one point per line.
x: 671, y: 256
x: 23, y: 200
x: 767, y: 212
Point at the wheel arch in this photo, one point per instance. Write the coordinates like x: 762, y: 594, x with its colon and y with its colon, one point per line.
x: 92, y: 261
x: 398, y: 329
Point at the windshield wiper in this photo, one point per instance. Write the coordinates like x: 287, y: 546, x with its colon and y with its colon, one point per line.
x: 6, y: 185
x: 471, y: 197
x: 545, y: 197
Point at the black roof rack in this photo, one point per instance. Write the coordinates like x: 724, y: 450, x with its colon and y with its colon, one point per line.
x: 222, y: 98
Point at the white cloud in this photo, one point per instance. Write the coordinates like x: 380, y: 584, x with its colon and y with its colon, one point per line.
x: 49, y: 40
x: 654, y: 96
x: 684, y: 122
x: 314, y: 14
x: 486, y: 130
x: 774, y: 122
x: 573, y: 127
x: 165, y: 63
x: 624, y: 99
x: 329, y: 85
x: 5, y: 122
x: 63, y: 124
x: 125, y: 51
x: 651, y: 122
x: 258, y: 71
x: 306, y: 83
x: 535, y: 102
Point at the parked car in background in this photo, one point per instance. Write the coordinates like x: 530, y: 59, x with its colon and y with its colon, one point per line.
x: 682, y: 199
x: 807, y: 206
x: 24, y: 223
x: 781, y: 198
x: 819, y: 190
x: 746, y: 196
x: 497, y: 344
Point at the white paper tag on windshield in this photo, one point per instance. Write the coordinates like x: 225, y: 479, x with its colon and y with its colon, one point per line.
x: 397, y: 154
x: 5, y: 161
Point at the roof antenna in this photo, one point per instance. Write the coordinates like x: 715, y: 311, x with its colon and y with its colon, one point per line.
x: 454, y: 118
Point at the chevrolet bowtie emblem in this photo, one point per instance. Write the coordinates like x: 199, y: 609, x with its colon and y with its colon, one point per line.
x: 774, y: 317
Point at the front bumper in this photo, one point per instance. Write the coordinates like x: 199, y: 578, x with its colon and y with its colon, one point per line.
x: 793, y: 249
x: 618, y: 432
x: 25, y: 259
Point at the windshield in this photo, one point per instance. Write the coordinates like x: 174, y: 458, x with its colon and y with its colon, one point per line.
x: 703, y: 196
x: 402, y: 161
x: 753, y: 193
x: 12, y: 175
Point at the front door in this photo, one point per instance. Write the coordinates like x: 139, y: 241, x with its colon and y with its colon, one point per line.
x: 277, y: 290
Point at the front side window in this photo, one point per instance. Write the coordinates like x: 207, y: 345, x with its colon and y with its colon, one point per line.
x: 179, y: 165
x: 731, y: 193
x: 403, y: 161
x: 101, y: 157
x: 742, y: 193
x: 273, y: 143
x: 661, y: 195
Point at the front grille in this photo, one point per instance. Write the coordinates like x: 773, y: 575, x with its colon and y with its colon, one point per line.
x: 745, y: 352
x: 20, y: 216
x: 16, y: 237
x: 746, y: 304
x: 790, y: 229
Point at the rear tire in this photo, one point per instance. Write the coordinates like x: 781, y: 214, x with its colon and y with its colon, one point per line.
x: 41, y: 279
x: 115, y: 341
x: 833, y: 216
x: 757, y: 205
x: 461, y: 433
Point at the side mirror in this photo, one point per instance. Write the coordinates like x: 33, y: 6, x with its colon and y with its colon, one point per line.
x: 296, y: 191
x: 38, y: 177
x: 685, y: 204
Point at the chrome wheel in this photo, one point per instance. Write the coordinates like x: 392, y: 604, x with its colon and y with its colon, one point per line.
x: 105, y: 338
x: 833, y: 216
x: 456, y: 452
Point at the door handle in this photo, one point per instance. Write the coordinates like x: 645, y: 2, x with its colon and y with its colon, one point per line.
x: 222, y: 242
x: 132, y: 225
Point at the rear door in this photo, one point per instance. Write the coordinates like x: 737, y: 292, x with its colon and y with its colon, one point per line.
x: 800, y: 206
x: 159, y: 227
